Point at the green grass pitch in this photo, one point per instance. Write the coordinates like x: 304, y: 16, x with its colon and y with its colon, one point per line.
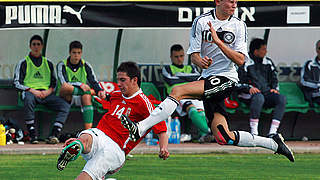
x: 184, y: 167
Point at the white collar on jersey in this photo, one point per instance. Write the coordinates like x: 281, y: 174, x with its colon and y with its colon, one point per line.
x: 134, y: 95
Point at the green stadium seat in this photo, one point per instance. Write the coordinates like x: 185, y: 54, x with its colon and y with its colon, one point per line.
x: 231, y: 111
x: 295, y: 98
x: 149, y: 88
x: 316, y: 108
x: 246, y: 109
x: 243, y: 107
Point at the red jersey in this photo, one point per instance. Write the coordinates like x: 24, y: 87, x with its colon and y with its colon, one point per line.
x: 137, y: 108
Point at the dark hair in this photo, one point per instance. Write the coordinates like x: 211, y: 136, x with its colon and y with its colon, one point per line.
x: 317, y: 43
x: 256, y: 44
x: 175, y: 47
x: 36, y: 37
x: 132, y: 70
x: 75, y: 44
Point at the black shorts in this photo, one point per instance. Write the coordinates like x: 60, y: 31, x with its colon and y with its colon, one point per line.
x: 216, y: 89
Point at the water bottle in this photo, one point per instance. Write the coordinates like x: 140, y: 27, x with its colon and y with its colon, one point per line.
x: 148, y: 136
x: 169, y: 131
x: 2, y: 135
x: 177, y: 129
x: 174, y: 125
x: 174, y: 131
x: 173, y: 135
x: 150, y: 140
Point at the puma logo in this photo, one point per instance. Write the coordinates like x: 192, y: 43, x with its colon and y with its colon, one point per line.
x: 68, y: 9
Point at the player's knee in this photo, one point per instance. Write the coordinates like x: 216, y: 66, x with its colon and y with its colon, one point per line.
x: 176, y: 92
x: 86, y: 99
x: 86, y: 139
x: 187, y: 105
x: 258, y: 99
x: 68, y: 98
x: 66, y: 89
x: 223, y: 137
x: 282, y: 100
x: 28, y: 98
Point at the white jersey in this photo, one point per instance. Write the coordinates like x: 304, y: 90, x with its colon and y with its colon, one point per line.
x: 232, y: 31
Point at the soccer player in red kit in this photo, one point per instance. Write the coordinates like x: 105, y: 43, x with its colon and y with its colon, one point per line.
x: 105, y: 147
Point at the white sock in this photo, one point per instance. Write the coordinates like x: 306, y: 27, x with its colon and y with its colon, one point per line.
x: 160, y: 113
x: 249, y: 140
x: 254, y: 126
x: 274, y: 126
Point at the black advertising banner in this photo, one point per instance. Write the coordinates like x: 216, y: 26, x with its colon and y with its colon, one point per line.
x: 164, y: 14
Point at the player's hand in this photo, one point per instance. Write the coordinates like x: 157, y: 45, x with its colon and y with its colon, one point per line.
x: 206, y: 62
x: 274, y: 91
x: 101, y: 95
x: 164, y: 153
x: 254, y: 90
x: 36, y: 93
x: 214, y: 35
x: 69, y: 141
x: 85, y: 87
x: 45, y: 93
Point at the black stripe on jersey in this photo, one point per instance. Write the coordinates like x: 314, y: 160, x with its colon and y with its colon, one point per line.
x: 212, y: 13
x: 235, y: 18
x: 245, y: 26
x: 195, y: 22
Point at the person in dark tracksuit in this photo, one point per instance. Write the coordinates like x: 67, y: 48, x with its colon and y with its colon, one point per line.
x: 310, y: 78
x: 34, y: 76
x: 260, y: 76
x: 75, y: 79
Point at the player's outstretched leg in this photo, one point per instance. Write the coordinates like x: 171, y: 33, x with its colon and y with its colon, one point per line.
x: 160, y: 113
x: 282, y: 147
x: 131, y: 126
x: 274, y: 143
x: 69, y: 153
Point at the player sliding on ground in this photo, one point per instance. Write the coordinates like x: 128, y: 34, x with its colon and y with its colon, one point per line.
x: 218, y: 42
x: 105, y: 147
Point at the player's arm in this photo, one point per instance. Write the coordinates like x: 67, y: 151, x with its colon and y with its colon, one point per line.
x: 195, y: 46
x: 19, y: 75
x: 53, y: 82
x: 93, y: 81
x: 163, y: 144
x: 203, y: 63
x: 235, y: 56
x: 161, y: 130
x: 307, y: 77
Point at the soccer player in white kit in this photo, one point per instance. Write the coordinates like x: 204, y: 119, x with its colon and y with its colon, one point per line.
x: 105, y: 147
x: 218, y: 42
